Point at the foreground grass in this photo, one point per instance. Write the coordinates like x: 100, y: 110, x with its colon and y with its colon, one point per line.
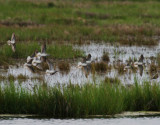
x: 79, y: 101
x: 133, y: 23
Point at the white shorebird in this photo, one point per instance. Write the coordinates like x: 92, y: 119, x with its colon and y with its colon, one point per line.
x: 140, y: 61
x: 37, y: 62
x: 29, y: 66
x: 29, y: 58
x: 43, y: 52
x: 128, y: 66
x: 12, y: 42
x: 51, y: 70
x: 42, y: 55
x: 85, y: 62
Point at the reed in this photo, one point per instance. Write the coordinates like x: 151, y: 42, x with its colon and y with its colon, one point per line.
x: 105, y: 57
x: 100, y: 67
x: 75, y: 100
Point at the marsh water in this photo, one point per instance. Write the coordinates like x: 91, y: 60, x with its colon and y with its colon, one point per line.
x: 78, y: 76
x: 93, y: 121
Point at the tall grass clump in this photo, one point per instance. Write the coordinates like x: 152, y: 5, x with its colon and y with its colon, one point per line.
x: 105, y: 57
x: 75, y: 100
x: 64, y: 66
x: 100, y: 67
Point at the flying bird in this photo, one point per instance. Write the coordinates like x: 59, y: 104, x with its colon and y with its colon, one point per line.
x: 12, y: 42
x: 29, y: 66
x: 50, y: 71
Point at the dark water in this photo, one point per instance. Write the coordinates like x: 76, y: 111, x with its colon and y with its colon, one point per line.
x: 94, y: 121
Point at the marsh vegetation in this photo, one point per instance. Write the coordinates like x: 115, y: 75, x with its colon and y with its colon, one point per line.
x: 80, y: 100
x: 102, y: 86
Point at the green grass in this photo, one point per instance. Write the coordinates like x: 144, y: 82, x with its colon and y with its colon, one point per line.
x: 80, y: 100
x: 133, y: 23
x: 23, y: 50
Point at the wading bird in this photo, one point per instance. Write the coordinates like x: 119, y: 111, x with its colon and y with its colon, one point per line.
x: 140, y: 61
x: 85, y: 62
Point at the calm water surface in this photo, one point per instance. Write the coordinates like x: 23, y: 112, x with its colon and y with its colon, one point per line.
x: 94, y: 121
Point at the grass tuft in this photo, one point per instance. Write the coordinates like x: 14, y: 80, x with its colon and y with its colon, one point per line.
x: 64, y: 66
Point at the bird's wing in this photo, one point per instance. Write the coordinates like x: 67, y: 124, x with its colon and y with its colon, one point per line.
x: 43, y: 59
x: 13, y: 38
x: 39, y: 66
x: 53, y: 72
x: 13, y: 47
x: 31, y: 68
x: 141, y: 70
x: 43, y: 48
x: 9, y: 42
x: 30, y: 61
x: 33, y: 55
x: 50, y: 65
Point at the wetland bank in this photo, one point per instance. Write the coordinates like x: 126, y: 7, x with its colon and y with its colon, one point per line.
x: 116, y: 34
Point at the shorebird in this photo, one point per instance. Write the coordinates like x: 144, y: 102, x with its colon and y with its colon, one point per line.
x: 12, y: 42
x: 140, y: 67
x: 88, y: 59
x: 42, y: 55
x: 50, y: 71
x: 29, y: 66
x: 43, y: 52
x: 85, y: 62
x: 140, y: 61
x: 128, y: 66
x: 30, y: 58
x: 37, y: 62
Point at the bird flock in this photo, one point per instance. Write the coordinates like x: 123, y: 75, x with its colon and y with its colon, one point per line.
x: 38, y: 59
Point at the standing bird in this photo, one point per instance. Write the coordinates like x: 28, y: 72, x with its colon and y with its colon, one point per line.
x: 12, y: 42
x: 140, y: 61
x: 88, y: 58
x: 85, y: 62
x: 50, y: 71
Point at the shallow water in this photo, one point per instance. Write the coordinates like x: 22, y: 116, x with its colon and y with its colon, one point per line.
x: 94, y: 121
x: 78, y: 76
